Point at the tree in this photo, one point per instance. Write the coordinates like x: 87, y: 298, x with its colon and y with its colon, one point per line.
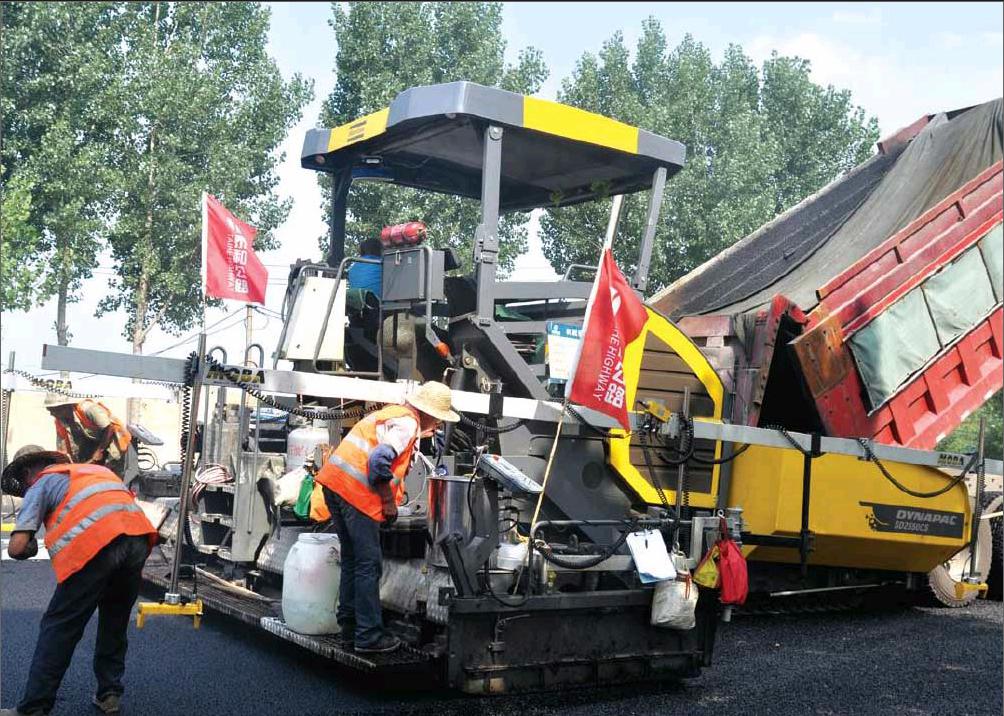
x: 18, y: 266
x: 965, y: 437
x: 57, y: 130
x: 757, y: 142
x: 202, y: 106
x: 386, y: 47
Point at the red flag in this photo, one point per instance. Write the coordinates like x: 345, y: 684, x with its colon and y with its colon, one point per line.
x: 615, y: 317
x: 230, y: 268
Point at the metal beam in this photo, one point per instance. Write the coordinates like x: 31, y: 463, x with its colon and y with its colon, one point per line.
x: 340, y: 183
x: 172, y: 370
x: 768, y: 437
x: 651, y: 222
x: 540, y: 290
x: 289, y: 382
x: 486, y: 240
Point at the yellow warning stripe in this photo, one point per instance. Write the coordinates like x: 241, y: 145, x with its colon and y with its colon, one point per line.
x: 358, y: 130
x: 578, y: 124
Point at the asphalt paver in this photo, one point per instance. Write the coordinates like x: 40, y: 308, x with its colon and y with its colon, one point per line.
x: 905, y: 661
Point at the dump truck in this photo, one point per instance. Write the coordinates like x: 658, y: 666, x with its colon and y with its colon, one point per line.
x: 822, y: 513
x: 872, y: 308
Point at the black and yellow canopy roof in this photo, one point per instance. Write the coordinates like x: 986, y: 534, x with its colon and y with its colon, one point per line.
x: 432, y: 138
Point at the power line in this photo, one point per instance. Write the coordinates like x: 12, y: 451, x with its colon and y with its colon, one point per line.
x: 195, y: 335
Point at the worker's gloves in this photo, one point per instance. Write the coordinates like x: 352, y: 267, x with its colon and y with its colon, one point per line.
x: 379, y: 465
x: 387, y: 504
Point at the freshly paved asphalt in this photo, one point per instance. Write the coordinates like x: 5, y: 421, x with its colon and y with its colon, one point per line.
x: 912, y: 661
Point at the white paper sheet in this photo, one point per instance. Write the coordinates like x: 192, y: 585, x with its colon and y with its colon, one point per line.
x: 651, y: 558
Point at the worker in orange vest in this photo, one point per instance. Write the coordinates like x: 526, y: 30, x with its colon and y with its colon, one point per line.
x: 363, y: 483
x: 88, y: 432
x: 98, y: 539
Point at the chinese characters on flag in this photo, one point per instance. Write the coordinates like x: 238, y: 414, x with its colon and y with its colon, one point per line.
x: 614, y: 319
x: 230, y: 267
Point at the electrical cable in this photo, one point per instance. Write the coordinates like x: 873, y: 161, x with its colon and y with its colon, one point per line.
x: 870, y: 455
x: 709, y: 461
x: 656, y: 482
x: 578, y: 416
x: 47, y: 385
x: 211, y: 474
x: 491, y: 429
x: 332, y: 414
x: 193, y: 336
x: 146, y: 458
x: 547, y: 553
x: 186, y: 400
x: 686, y: 438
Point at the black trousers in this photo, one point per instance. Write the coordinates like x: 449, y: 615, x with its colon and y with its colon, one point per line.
x: 108, y: 583
x: 359, y: 586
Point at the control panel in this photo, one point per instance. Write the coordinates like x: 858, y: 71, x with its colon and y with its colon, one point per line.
x: 508, y: 475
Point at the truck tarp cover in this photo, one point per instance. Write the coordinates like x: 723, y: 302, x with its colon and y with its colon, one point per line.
x: 815, y: 240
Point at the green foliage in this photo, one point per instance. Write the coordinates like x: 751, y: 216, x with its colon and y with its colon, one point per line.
x: 121, y: 114
x: 57, y: 129
x: 758, y: 141
x: 18, y: 264
x: 201, y: 107
x: 386, y: 47
x: 965, y: 437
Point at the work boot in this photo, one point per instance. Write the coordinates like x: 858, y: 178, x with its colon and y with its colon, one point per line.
x: 109, y: 703
x: 346, y: 637
x: 383, y: 645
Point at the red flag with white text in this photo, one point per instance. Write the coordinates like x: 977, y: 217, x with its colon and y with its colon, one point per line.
x: 230, y: 268
x: 615, y: 317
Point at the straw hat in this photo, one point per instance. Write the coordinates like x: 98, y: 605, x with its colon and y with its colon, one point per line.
x: 434, y: 399
x: 14, y: 477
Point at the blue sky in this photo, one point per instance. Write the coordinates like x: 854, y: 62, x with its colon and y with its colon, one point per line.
x: 900, y: 60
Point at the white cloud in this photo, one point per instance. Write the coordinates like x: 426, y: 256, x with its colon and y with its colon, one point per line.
x: 895, y: 90
x: 950, y: 40
x: 872, y: 16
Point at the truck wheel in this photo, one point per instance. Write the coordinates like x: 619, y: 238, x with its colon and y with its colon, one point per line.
x: 993, y: 502
x: 942, y: 579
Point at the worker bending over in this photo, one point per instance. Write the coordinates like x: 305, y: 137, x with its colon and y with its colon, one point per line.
x: 88, y: 432
x: 98, y: 540
x: 363, y: 483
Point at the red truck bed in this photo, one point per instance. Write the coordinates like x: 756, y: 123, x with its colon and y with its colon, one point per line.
x: 873, y: 307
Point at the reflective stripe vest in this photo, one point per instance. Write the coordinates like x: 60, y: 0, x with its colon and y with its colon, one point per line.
x: 122, y: 435
x: 97, y: 508
x: 346, y: 471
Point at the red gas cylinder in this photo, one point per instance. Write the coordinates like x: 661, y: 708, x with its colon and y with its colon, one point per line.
x: 408, y: 234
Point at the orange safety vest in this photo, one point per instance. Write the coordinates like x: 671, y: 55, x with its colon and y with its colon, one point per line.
x: 97, y: 508
x: 346, y: 471
x: 122, y: 435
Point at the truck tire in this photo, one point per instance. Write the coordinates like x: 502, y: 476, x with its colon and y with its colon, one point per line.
x: 993, y: 502
x: 942, y: 579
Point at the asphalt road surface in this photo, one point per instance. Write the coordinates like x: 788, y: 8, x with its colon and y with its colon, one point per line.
x: 911, y: 661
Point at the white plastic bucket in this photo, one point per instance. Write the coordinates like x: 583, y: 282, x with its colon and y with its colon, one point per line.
x: 310, y: 584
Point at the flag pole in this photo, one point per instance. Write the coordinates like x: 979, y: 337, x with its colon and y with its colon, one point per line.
x: 204, y: 251
x: 248, y: 319
x: 608, y: 240
x: 615, y: 217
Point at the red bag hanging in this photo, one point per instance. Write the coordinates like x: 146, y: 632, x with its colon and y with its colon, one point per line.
x: 732, y: 566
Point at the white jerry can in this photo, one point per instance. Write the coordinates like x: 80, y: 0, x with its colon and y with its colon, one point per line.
x: 310, y: 578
